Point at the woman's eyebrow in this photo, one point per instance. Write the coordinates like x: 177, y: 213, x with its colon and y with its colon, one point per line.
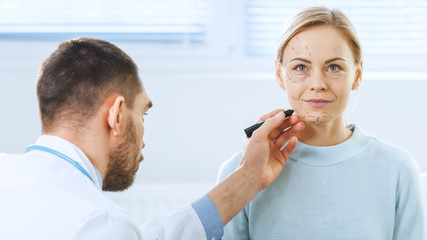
x: 326, y: 62
x: 301, y: 59
x: 334, y: 59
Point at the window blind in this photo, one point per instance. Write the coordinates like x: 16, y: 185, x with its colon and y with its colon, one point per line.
x: 384, y: 27
x: 160, y: 21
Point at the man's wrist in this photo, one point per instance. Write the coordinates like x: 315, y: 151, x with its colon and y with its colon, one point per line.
x: 250, y: 179
x: 235, y: 192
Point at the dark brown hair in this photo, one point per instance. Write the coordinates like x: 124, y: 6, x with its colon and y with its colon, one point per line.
x: 75, y: 80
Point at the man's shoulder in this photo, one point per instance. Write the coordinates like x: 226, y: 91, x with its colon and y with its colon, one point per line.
x: 14, y: 165
x: 109, y: 224
x: 4, y: 156
x: 43, y: 192
x: 94, y: 212
x: 103, y: 203
x: 55, y: 181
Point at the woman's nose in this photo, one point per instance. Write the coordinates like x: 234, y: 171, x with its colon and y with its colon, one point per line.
x: 317, y: 82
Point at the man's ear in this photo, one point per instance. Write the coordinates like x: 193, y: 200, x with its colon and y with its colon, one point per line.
x: 358, y: 77
x: 280, y: 75
x: 115, y: 115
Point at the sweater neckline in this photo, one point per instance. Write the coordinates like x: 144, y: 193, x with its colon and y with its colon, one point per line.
x: 331, y: 155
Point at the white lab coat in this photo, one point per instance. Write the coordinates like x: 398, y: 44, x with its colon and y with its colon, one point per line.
x: 44, y: 197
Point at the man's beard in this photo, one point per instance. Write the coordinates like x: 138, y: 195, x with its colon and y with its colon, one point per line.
x: 123, y: 164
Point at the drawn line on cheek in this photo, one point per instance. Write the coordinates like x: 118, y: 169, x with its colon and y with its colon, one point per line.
x: 288, y: 78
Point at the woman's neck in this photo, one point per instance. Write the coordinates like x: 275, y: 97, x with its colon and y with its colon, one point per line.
x: 325, y: 134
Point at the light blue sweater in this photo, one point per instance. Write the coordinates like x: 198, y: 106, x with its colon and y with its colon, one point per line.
x: 360, y: 189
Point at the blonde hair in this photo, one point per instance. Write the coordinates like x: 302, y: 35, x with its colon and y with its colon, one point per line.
x: 321, y: 16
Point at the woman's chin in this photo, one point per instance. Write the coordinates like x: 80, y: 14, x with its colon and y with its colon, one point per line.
x: 316, y: 118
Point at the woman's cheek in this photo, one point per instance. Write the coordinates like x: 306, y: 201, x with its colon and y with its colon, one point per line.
x: 295, y: 78
x: 294, y: 101
x: 294, y: 91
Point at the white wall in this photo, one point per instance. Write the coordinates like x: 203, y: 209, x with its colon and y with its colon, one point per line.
x: 199, y: 115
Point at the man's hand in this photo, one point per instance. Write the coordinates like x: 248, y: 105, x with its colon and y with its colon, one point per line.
x: 262, y: 162
x: 264, y: 157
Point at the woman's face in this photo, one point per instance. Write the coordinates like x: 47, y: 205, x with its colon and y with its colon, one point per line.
x: 318, y: 72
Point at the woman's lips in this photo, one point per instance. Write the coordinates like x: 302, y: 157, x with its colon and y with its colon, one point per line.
x: 317, y: 102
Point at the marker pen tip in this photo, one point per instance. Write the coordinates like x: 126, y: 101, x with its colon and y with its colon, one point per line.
x: 289, y: 112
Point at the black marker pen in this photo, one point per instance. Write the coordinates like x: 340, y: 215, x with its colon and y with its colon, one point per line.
x: 254, y: 127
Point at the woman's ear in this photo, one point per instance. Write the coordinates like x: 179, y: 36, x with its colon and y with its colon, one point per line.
x: 358, y: 76
x: 115, y: 115
x: 280, y: 75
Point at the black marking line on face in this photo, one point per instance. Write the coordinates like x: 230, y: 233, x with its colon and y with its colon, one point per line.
x: 313, y: 116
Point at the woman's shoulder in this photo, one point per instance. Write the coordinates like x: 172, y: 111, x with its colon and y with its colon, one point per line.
x: 382, y: 149
x: 387, y: 148
x: 228, y: 166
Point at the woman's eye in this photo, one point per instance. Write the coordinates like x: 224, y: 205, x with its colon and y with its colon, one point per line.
x: 301, y: 68
x: 334, y: 68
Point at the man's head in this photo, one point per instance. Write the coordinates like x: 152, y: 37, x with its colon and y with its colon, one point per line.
x: 90, y: 85
x: 75, y: 80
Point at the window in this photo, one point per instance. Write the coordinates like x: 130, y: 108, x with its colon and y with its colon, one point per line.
x: 384, y: 27
x: 238, y: 35
x: 145, y: 21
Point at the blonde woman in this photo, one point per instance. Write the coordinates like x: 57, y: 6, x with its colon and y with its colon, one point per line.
x: 339, y: 183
